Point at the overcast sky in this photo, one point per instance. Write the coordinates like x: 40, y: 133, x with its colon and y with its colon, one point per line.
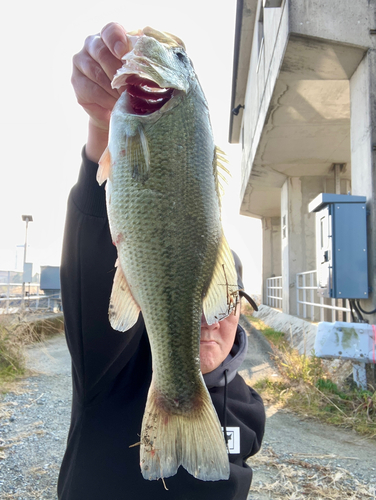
x: 43, y: 129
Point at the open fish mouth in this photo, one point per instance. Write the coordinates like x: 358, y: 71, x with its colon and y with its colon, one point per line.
x: 146, y: 96
x: 149, y: 84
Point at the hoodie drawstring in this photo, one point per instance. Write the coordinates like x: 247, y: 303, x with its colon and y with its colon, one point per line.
x: 225, y: 411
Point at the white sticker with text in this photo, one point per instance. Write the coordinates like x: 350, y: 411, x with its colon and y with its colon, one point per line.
x: 233, y: 439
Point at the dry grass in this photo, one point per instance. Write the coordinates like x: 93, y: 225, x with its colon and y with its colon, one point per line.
x: 295, y: 478
x: 307, y: 387
x: 17, y: 331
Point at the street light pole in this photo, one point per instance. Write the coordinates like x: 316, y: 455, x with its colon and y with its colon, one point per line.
x: 27, y: 219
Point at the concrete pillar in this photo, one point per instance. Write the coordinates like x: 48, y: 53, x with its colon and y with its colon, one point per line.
x: 363, y: 163
x: 298, y: 233
x: 271, y: 250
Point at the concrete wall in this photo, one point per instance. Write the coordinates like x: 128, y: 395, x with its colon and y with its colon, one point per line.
x: 298, y: 231
x: 300, y: 334
x: 263, y: 73
x: 343, y: 21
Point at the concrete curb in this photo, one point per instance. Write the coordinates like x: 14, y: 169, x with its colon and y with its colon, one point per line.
x: 300, y: 333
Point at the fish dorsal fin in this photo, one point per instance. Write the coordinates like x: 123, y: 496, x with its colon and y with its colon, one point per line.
x: 104, y: 169
x: 221, y: 173
x: 124, y: 310
x: 138, y: 155
x: 222, y: 295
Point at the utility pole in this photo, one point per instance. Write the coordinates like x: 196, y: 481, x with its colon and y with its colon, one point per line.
x: 27, y: 219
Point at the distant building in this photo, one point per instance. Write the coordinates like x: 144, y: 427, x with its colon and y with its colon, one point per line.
x: 304, y: 110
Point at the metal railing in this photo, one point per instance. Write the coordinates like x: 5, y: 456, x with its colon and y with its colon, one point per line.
x: 11, y: 300
x: 316, y: 308
x: 274, y: 292
x: 309, y: 305
x: 12, y: 305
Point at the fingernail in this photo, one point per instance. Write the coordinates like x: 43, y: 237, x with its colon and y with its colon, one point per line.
x: 120, y: 49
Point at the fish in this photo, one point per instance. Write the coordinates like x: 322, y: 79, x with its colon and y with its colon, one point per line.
x: 163, y: 188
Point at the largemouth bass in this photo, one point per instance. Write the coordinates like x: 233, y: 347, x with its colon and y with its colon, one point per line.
x: 173, y: 262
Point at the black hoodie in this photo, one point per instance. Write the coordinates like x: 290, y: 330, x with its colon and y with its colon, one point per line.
x: 111, y: 374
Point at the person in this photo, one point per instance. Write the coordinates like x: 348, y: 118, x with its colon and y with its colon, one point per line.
x: 111, y: 371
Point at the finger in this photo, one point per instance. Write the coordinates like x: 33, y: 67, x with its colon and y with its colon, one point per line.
x: 99, y: 52
x: 84, y: 65
x: 89, y: 92
x: 114, y: 36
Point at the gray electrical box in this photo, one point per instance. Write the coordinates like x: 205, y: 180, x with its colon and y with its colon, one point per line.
x: 341, y: 245
x: 50, y: 279
x: 27, y: 272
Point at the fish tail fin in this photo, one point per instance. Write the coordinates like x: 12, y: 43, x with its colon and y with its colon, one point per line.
x: 193, y: 440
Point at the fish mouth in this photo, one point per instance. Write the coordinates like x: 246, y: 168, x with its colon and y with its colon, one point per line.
x: 146, y: 96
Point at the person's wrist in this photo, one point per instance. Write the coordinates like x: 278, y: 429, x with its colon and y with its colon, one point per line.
x: 97, y: 141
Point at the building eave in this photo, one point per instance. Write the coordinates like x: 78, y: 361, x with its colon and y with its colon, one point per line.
x: 244, y: 28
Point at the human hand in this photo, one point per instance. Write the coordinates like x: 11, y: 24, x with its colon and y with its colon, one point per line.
x: 93, y: 69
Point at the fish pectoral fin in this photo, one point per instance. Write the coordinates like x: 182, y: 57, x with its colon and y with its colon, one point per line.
x: 193, y: 439
x: 124, y: 310
x: 222, y: 295
x: 138, y: 155
x: 104, y: 169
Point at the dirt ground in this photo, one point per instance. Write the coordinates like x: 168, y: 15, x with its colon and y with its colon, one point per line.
x: 300, y: 458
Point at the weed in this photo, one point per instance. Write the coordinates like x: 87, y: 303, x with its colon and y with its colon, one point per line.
x: 17, y: 331
x: 305, y: 386
x: 11, y: 354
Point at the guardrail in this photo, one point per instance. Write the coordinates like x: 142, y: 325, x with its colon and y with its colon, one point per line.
x: 12, y: 301
x: 308, y: 304
x: 12, y: 305
x: 316, y: 308
x: 274, y: 292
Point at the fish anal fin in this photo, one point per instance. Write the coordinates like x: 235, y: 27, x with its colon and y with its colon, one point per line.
x: 193, y: 440
x: 124, y: 310
x: 222, y: 295
x: 104, y: 169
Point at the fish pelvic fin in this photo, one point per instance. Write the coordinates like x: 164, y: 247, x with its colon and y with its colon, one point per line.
x: 138, y: 155
x: 222, y: 296
x: 193, y: 440
x: 104, y: 169
x: 124, y: 310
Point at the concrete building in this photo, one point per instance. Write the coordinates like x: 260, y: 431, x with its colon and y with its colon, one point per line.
x: 304, y: 110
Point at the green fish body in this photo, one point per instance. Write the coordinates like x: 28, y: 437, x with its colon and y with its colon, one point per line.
x: 173, y: 260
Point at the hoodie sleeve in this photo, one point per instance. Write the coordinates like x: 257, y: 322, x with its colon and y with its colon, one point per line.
x: 98, y: 352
